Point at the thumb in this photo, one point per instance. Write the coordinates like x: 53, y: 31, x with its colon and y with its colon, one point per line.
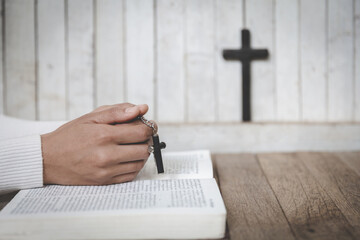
x: 118, y: 114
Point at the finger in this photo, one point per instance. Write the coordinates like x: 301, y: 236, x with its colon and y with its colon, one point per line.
x: 155, y: 126
x: 123, y: 178
x: 125, y: 153
x: 130, y: 133
x: 117, y: 114
x: 127, y: 167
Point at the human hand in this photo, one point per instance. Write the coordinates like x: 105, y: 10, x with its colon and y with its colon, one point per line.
x: 108, y: 145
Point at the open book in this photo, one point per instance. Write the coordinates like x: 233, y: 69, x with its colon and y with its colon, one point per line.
x: 182, y: 203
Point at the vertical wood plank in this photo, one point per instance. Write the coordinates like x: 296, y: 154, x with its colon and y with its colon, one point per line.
x: 253, y: 210
x: 1, y: 59
x: 20, y: 59
x: 229, y: 21
x: 287, y: 60
x: 51, y: 95
x: 170, y: 61
x: 313, y: 59
x: 341, y: 52
x: 260, y: 20
x: 109, y: 52
x: 80, y: 57
x: 200, y: 59
x: 357, y: 60
x: 311, y: 213
x: 140, y: 53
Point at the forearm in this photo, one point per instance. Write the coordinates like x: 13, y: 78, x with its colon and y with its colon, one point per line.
x: 21, y: 162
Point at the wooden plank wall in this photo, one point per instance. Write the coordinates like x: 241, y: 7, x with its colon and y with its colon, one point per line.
x: 60, y: 58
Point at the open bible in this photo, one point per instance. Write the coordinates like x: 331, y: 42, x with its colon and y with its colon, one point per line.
x: 182, y: 203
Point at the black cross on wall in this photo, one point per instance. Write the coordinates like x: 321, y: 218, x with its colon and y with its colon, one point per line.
x: 245, y: 54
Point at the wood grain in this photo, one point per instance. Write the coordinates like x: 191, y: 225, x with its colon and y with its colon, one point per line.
x: 340, y: 66
x: 110, y: 87
x: 311, y: 213
x: 253, y: 211
x: 228, y: 73
x: 80, y: 57
x: 260, y: 21
x: 170, y: 99
x: 352, y: 159
x: 340, y: 182
x: 287, y: 60
x: 313, y: 60
x: 51, y: 77
x: 20, y: 76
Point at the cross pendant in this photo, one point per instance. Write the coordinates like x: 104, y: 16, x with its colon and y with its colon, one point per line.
x: 157, y: 146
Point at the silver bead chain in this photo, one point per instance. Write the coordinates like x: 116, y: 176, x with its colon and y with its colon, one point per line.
x: 148, y: 123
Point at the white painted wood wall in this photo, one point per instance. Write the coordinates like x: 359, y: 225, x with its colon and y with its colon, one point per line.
x: 62, y: 58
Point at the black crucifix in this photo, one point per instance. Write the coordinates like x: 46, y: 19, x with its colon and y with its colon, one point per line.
x: 245, y: 54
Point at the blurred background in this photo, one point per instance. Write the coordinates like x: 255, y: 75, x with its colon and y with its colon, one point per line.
x: 61, y: 59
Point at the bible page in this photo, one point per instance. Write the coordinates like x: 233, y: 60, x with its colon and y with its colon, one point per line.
x: 179, y: 165
x: 138, y: 197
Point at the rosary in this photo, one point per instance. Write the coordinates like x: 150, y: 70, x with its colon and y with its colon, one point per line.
x: 157, y: 145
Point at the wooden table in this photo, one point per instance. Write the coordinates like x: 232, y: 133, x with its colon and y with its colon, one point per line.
x: 291, y: 195
x: 288, y: 195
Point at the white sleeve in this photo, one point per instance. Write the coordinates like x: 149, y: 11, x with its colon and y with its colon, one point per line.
x: 21, y: 163
x: 14, y: 127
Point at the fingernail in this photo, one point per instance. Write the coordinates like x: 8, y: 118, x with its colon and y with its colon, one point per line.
x: 131, y: 109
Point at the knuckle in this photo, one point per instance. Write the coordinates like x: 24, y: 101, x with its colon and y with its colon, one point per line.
x: 101, y: 158
x: 103, y: 135
x: 101, y: 176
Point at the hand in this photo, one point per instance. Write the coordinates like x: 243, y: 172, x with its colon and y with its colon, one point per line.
x: 108, y: 145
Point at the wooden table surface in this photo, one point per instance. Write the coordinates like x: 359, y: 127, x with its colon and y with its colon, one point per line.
x: 291, y: 195
x: 288, y: 195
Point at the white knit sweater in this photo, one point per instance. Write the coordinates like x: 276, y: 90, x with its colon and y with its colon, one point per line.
x: 20, y: 153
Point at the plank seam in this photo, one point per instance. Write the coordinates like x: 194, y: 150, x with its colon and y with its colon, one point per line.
x: 276, y: 117
x: 3, y: 57
x: 326, y: 61
x: 277, y: 200
x: 124, y: 73
x: 94, y: 63
x: 216, y: 48
x: 155, y: 78
x: 353, y: 62
x: 186, y: 83
x: 36, y: 54
x: 66, y: 36
x: 299, y: 63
